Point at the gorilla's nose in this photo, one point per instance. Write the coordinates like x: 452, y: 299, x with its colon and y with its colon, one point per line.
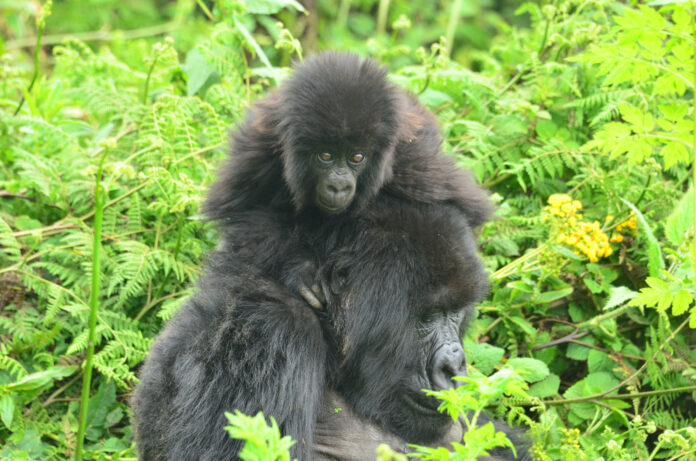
x: 339, y: 189
x: 449, y: 361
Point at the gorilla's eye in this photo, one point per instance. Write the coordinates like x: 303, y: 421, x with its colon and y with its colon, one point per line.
x: 357, y: 157
x: 325, y: 157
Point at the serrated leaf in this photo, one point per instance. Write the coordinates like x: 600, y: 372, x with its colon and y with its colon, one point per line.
x: 665, y: 301
x: 533, y: 370
x: 484, y: 356
x: 681, y: 302
x: 599, y: 361
x: 547, y: 387
x: 618, y: 296
x: 577, y: 351
x: 594, y: 383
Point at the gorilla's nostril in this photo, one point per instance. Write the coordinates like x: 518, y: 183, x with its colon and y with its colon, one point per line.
x: 449, y: 362
x: 338, y: 189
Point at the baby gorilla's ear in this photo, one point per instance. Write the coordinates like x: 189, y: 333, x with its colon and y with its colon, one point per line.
x: 339, y: 279
x: 334, y: 278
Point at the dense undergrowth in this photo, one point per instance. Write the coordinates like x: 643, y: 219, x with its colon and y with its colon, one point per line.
x: 578, y: 116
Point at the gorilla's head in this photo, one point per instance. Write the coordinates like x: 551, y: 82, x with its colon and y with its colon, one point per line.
x: 337, y: 120
x: 400, y: 293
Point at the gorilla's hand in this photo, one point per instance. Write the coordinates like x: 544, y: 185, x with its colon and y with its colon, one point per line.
x: 302, y: 279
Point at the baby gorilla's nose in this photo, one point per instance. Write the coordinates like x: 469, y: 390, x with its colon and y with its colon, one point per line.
x: 339, y: 189
x: 449, y: 361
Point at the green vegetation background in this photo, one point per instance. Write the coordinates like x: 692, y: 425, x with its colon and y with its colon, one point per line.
x: 577, y: 115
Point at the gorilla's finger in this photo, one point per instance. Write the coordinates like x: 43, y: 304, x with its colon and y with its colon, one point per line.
x: 319, y: 293
x: 311, y: 299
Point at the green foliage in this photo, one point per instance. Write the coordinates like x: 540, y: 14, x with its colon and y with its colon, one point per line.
x: 590, y: 99
x: 262, y: 442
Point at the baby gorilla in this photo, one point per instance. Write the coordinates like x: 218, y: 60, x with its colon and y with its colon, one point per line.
x: 321, y: 147
x: 400, y: 284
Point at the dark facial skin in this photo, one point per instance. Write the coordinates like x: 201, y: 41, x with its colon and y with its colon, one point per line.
x: 337, y: 172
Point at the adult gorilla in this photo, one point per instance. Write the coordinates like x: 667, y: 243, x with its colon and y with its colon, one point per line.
x: 400, y: 284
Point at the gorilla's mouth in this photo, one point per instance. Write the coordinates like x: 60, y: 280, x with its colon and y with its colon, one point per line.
x: 332, y: 208
x: 425, y: 405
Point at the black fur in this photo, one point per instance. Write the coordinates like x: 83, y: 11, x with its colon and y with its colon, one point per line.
x: 398, y: 270
x: 339, y: 99
x: 343, y: 102
x: 393, y: 279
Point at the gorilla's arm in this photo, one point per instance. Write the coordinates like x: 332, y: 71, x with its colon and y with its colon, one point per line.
x: 342, y: 435
x: 256, y: 348
x: 268, y: 242
x: 422, y: 173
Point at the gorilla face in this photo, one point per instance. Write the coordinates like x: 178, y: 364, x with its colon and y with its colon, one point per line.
x: 337, y: 172
x: 398, y: 317
x: 337, y: 122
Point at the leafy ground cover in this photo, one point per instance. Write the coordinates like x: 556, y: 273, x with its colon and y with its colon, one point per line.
x: 578, y: 115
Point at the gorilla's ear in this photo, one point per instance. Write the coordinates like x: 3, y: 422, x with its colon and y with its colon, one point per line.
x: 338, y: 280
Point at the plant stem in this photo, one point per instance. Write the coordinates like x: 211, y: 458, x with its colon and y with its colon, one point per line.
x: 147, y: 80
x: 96, y: 35
x: 93, y: 304
x: 206, y: 10
x: 382, y: 14
x: 37, y: 49
x: 693, y: 118
x: 509, y: 268
x: 342, y: 16
x: 595, y: 321
x: 632, y: 395
x: 452, y: 26
x: 605, y: 394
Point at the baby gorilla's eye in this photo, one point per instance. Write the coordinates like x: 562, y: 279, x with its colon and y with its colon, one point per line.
x: 325, y: 157
x: 357, y: 157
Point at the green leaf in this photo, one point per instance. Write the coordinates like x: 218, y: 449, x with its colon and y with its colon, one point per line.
x: 550, y: 296
x: 655, y: 261
x: 434, y: 98
x: 547, y: 387
x: 599, y: 361
x: 545, y: 129
x: 7, y: 408
x: 641, y: 122
x: 251, y: 41
x: 681, y: 302
x: 533, y: 370
x: 578, y: 351
x: 592, y: 285
x: 594, y: 383
x: 271, y: 6
x: 618, y: 296
x: 41, y: 378
x: 197, y: 71
x: 681, y: 219
x: 484, y: 356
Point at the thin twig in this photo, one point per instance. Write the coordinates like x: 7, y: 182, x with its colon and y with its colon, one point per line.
x: 96, y: 35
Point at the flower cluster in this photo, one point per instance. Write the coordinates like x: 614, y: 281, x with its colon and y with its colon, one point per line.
x: 586, y: 237
x: 570, y: 440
